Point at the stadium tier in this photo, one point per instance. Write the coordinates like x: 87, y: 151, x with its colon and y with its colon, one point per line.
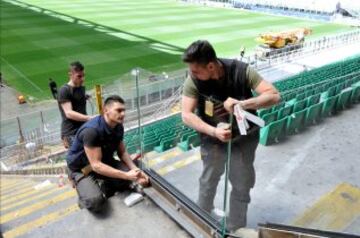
x: 307, y: 98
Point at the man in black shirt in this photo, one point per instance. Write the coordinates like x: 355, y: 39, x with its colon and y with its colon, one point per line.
x: 1, y: 80
x: 97, y: 175
x: 72, y: 103
x: 53, y: 88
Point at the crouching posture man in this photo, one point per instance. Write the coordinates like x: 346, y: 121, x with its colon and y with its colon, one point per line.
x: 95, y: 172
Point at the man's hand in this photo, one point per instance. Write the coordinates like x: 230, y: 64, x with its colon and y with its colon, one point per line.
x: 143, y: 179
x: 133, y: 174
x: 91, y: 117
x: 222, y: 134
x: 230, y: 103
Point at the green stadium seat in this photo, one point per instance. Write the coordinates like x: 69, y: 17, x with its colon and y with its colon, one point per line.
x: 300, y: 96
x: 290, y: 96
x: 298, y: 106
x: 166, y: 143
x: 309, y: 92
x: 132, y: 149
x: 273, y: 132
x: 286, y: 97
x: 185, y: 135
x: 149, y: 145
x: 262, y: 112
x: 192, y: 141
x: 355, y: 97
x: 291, y: 102
x: 278, y: 106
x: 347, y: 83
x: 319, y: 89
x: 329, y: 106
x: 339, y: 88
x: 344, y: 99
x: 312, y: 100
x: 331, y: 91
x: 324, y: 96
x: 270, y: 117
x: 295, y: 122
x: 313, y: 114
x: 285, y: 111
x: 150, y: 138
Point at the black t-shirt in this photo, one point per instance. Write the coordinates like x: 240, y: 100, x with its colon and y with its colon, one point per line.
x: 95, y: 133
x: 75, y: 95
x: 90, y: 137
x: 108, y: 142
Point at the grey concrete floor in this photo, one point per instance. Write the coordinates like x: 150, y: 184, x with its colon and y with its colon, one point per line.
x: 294, y: 174
x: 142, y: 220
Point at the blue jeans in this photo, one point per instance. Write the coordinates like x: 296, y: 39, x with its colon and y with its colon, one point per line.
x: 241, y: 175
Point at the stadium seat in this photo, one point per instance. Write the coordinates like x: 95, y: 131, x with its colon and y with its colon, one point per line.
x: 331, y: 91
x: 132, y: 149
x: 313, y: 114
x: 262, y: 112
x: 309, y: 92
x: 278, y: 106
x: 192, y: 141
x: 300, y: 96
x: 355, y: 97
x: 324, y: 96
x: 186, y: 135
x: 166, y: 143
x: 312, y: 100
x: 273, y: 132
x: 344, y: 99
x: 285, y: 111
x: 298, y: 106
x: 270, y: 117
x: 149, y: 145
x: 328, y: 108
x: 295, y: 122
x: 339, y: 88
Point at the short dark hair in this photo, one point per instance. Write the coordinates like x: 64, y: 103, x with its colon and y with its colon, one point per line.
x: 113, y: 98
x: 201, y: 52
x: 77, y: 66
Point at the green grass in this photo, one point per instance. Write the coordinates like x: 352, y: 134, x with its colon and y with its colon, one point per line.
x: 112, y: 37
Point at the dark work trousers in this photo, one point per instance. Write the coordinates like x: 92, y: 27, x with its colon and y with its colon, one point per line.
x: 94, y: 189
x: 241, y: 175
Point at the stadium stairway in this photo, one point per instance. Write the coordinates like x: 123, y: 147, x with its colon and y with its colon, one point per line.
x: 27, y: 204
x: 337, y: 210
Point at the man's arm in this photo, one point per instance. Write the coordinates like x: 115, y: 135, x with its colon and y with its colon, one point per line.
x: 94, y: 156
x: 73, y: 115
x: 267, y: 96
x: 191, y: 119
x: 142, y: 178
x: 125, y: 157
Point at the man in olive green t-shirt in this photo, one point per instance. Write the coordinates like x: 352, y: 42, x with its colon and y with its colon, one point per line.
x: 215, y: 85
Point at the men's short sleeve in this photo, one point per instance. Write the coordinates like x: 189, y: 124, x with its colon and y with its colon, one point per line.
x: 190, y: 89
x: 254, y: 78
x: 90, y: 137
x: 64, y: 94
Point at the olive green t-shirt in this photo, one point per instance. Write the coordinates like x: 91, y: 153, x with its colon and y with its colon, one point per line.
x: 190, y: 90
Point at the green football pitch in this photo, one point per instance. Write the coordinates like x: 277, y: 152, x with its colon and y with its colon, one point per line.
x: 114, y: 36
